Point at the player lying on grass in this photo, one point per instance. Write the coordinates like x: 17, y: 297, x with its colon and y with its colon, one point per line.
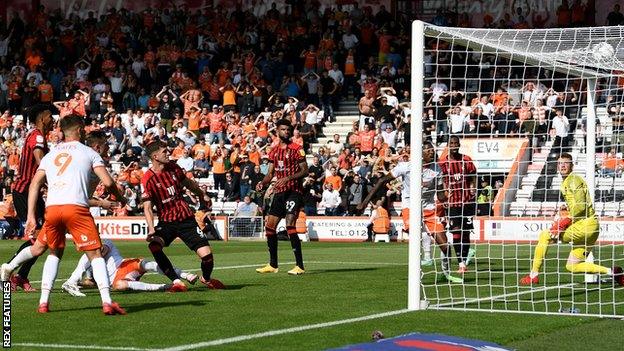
x: 432, y: 195
x: 578, y: 225
x: 124, y: 273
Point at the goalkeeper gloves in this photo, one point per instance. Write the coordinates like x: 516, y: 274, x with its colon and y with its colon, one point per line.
x: 559, y: 226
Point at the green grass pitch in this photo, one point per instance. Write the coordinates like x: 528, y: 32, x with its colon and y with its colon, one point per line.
x: 342, y: 281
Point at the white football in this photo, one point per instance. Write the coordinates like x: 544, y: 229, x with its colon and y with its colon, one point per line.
x: 603, y: 51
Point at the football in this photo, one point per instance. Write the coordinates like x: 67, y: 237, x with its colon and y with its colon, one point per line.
x: 603, y: 51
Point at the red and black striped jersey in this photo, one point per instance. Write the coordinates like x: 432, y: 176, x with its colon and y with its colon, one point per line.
x: 165, y: 190
x: 28, y: 165
x: 456, y: 178
x: 286, y: 159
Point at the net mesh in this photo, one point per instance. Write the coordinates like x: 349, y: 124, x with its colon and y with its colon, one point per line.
x: 517, y: 100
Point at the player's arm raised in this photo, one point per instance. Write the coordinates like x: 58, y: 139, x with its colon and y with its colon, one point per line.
x: 33, y: 194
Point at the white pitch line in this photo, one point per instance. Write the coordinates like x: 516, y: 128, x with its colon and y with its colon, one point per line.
x: 80, y: 347
x: 569, y: 285
x: 282, y: 331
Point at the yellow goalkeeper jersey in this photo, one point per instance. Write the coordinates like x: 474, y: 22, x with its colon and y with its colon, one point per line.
x: 576, y: 195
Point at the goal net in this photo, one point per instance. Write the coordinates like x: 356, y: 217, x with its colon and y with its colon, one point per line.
x: 500, y: 108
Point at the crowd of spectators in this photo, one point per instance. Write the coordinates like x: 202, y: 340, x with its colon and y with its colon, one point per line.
x: 214, y: 90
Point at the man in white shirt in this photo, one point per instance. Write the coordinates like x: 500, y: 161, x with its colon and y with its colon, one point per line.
x: 349, y: 39
x: 185, y: 161
x: 335, y: 146
x: 457, y: 120
x: 336, y: 74
x: 389, y: 94
x: 389, y: 136
x: 330, y: 200
x: 245, y: 221
x: 560, y: 125
x: 486, y: 107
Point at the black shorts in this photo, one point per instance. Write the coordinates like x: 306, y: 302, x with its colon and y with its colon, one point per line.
x: 185, y: 230
x: 20, y: 201
x: 462, y: 217
x: 284, y: 203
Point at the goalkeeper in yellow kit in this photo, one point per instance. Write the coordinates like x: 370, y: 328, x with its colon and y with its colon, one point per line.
x: 576, y: 224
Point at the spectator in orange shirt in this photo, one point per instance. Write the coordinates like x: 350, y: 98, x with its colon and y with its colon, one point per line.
x: 79, y: 102
x: 201, y: 148
x: 334, y: 179
x: 612, y: 165
x: 367, y: 139
x: 178, y: 151
x: 46, y: 92
x: 63, y: 107
x: 136, y: 174
x: 194, y: 120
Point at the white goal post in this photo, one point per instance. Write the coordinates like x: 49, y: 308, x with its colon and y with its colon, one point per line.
x: 517, y: 100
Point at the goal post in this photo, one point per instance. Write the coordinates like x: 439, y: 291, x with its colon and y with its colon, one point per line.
x: 517, y: 100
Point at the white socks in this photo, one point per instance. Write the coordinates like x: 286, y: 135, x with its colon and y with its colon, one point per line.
x: 426, y: 246
x: 100, y: 274
x: 151, y: 266
x: 20, y: 258
x: 132, y: 285
x: 50, y: 269
x: 81, y: 267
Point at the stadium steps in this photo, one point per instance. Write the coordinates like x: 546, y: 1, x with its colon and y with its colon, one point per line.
x: 345, y: 116
x: 604, y: 209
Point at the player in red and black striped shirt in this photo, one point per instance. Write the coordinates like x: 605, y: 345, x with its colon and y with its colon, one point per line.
x: 289, y: 166
x: 460, y: 181
x: 163, y: 186
x: 35, y: 147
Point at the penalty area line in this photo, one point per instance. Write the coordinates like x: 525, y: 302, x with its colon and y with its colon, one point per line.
x: 240, y: 338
